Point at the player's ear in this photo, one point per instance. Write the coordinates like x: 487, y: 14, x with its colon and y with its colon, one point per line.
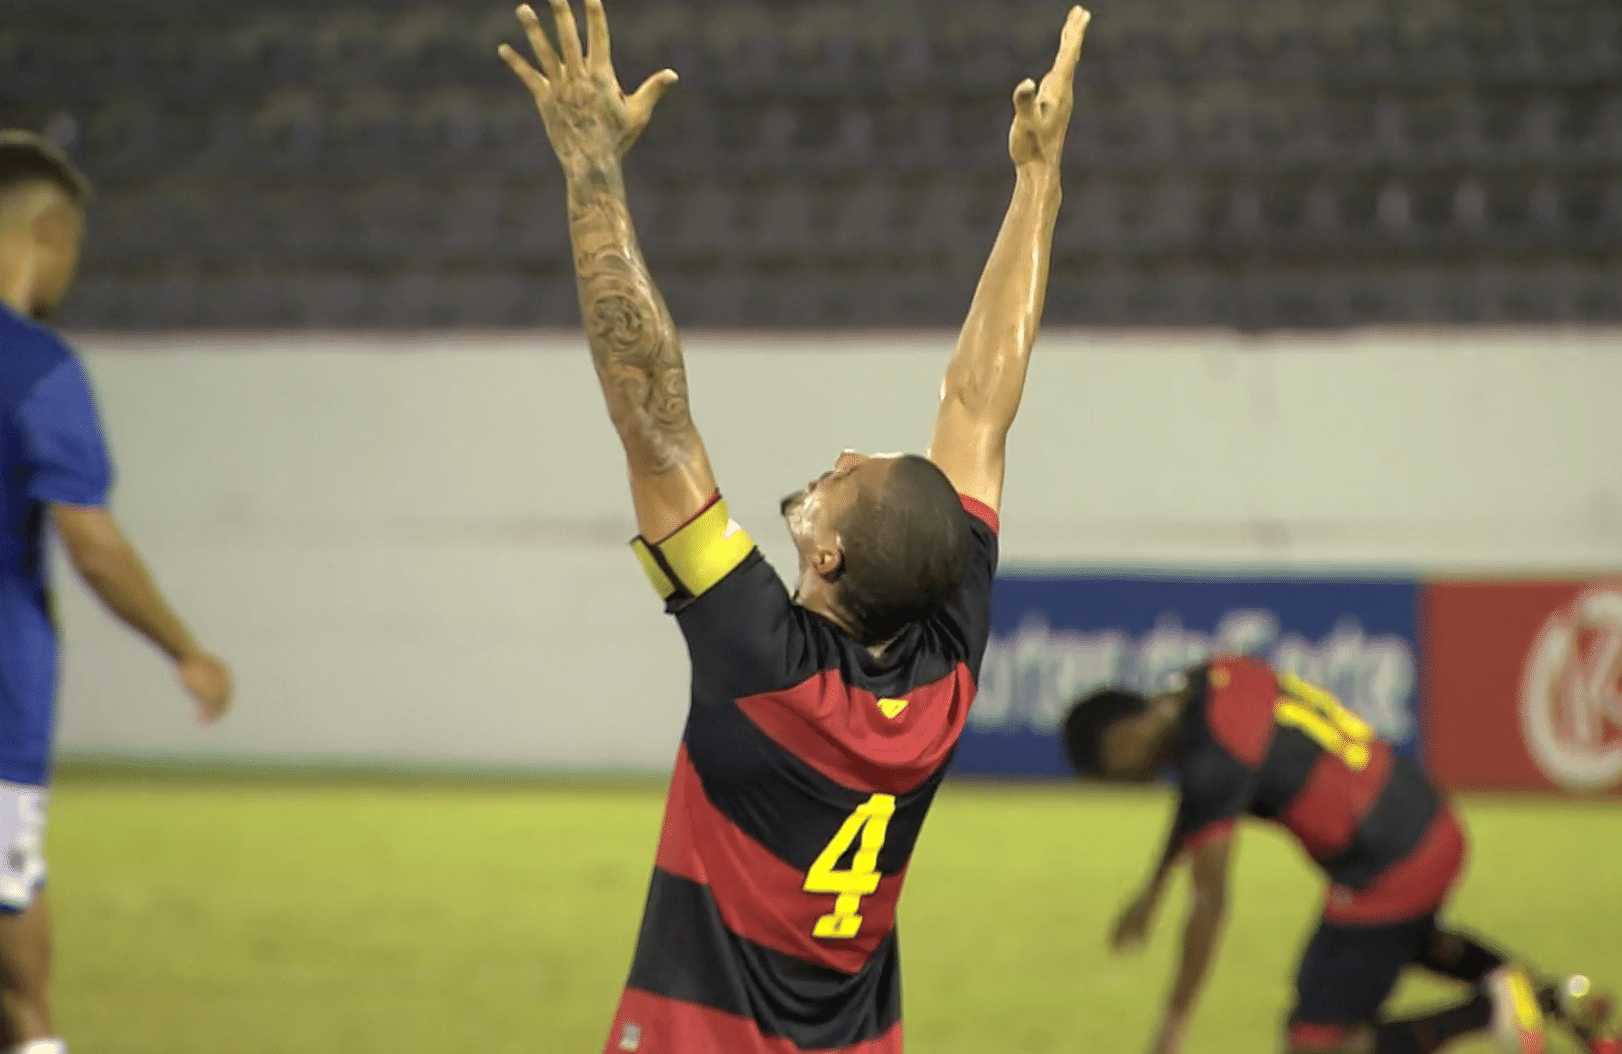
x: 58, y: 226
x: 829, y: 561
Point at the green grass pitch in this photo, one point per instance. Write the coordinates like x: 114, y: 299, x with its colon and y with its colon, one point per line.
x: 232, y: 917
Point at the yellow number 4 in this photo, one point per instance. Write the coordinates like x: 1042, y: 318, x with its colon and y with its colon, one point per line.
x: 870, y: 820
x: 1320, y: 716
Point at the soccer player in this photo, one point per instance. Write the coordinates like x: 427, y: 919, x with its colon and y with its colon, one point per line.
x: 820, y: 724
x: 1244, y: 740
x: 53, y: 468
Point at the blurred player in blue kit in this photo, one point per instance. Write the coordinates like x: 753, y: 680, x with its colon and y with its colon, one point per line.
x: 54, y: 469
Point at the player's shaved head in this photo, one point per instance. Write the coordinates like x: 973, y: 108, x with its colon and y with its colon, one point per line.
x: 882, y: 542
x: 34, y: 174
x: 904, y: 547
x: 41, y: 222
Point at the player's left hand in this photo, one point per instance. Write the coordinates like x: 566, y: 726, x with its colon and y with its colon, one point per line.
x: 1042, y: 112
x: 589, y: 119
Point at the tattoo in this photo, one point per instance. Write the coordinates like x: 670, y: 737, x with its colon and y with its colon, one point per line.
x: 633, y: 340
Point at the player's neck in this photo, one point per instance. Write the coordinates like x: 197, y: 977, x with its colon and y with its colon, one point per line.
x: 822, y: 603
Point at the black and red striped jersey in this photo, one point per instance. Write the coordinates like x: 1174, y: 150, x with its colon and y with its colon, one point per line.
x: 805, y: 771
x: 1276, y: 747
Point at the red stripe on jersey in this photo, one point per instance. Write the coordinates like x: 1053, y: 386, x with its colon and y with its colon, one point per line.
x: 1326, y: 812
x: 678, y: 852
x: 981, y: 511
x: 651, y: 1024
x: 1411, y: 888
x: 1215, y: 831
x: 1240, y: 694
x: 760, y: 897
x: 839, y: 729
x: 1308, y: 1036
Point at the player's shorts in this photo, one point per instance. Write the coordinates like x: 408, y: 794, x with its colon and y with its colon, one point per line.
x: 1368, y: 936
x: 22, y: 845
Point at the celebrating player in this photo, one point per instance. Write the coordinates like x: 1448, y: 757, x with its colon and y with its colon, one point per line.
x: 820, y: 726
x: 53, y: 465
x: 1246, y: 741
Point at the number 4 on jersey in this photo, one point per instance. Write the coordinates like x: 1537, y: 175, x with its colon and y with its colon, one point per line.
x: 870, y: 821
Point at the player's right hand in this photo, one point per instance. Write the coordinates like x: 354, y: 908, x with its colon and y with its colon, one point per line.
x: 588, y: 118
x: 1132, y: 928
x: 208, y: 681
x: 1042, y: 112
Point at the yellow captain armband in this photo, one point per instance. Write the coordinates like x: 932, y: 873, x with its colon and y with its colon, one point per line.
x: 690, y: 562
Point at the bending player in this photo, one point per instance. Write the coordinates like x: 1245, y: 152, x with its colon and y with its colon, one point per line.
x: 1246, y: 741
x: 820, y: 725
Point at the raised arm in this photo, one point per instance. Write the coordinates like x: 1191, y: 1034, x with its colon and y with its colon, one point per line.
x: 986, y: 377
x: 591, y: 124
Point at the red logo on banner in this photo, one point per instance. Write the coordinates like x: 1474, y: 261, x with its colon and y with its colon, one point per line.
x: 1523, y: 684
x: 1571, y: 693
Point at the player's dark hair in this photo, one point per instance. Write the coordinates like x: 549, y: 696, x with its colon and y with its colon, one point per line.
x: 904, y: 551
x: 29, y: 158
x: 1089, y: 718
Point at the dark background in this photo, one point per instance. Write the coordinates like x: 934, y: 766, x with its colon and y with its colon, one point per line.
x: 840, y: 163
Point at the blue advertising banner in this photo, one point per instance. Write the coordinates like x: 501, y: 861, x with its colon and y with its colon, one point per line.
x: 1057, y: 637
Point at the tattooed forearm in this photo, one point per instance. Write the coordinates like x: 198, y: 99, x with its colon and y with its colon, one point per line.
x: 633, y: 340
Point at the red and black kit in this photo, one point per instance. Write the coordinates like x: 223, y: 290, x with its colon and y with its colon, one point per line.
x: 1272, y: 746
x: 805, y: 771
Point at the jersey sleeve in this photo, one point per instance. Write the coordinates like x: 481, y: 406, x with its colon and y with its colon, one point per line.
x: 61, y: 438
x: 967, y: 617
x: 1215, y: 791
x: 744, y: 634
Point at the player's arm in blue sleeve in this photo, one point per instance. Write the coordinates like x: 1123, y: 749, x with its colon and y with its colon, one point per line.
x: 986, y: 377
x: 69, y: 471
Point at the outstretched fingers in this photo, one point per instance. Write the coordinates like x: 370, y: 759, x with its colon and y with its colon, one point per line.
x: 537, y: 84
x: 1058, y: 84
x: 598, y: 52
x: 645, y: 98
x: 1025, y: 100
x: 1075, y: 29
x: 568, y: 37
x: 538, y: 43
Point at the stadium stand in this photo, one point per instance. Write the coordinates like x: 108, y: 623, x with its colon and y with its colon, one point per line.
x: 1243, y: 163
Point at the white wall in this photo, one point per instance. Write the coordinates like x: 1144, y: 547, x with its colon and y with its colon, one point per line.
x: 413, y: 548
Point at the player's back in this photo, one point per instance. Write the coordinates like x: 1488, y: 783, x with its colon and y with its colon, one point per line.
x: 1289, y: 752
x: 806, y: 768
x: 28, y: 354
x: 50, y: 451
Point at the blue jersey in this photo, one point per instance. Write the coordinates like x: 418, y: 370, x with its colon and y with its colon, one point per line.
x: 51, y: 451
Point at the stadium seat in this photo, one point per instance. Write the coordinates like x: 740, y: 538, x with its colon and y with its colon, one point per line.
x: 812, y: 142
